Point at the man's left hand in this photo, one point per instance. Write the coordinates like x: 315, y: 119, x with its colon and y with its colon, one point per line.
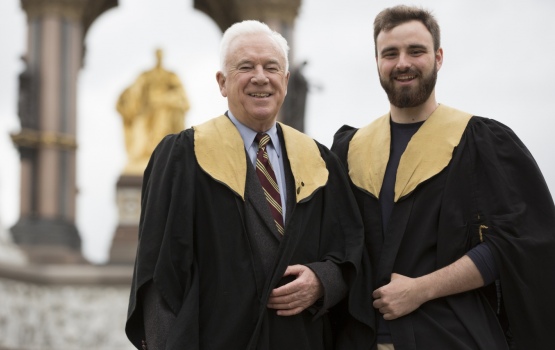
x: 292, y: 298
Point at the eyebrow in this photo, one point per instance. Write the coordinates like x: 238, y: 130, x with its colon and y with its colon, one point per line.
x: 273, y: 61
x: 418, y: 46
x: 387, y: 49
x: 395, y: 48
x: 249, y: 61
x: 243, y: 62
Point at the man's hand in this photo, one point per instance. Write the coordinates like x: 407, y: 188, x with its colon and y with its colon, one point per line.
x: 294, y: 297
x: 403, y: 294
x: 398, y: 298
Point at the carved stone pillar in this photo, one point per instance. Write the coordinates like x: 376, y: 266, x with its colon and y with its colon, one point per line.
x: 280, y: 15
x: 47, y: 141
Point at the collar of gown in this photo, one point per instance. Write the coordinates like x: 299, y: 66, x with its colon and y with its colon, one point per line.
x: 220, y: 152
x: 428, y: 152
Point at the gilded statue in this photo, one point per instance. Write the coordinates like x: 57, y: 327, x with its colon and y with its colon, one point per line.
x: 151, y: 108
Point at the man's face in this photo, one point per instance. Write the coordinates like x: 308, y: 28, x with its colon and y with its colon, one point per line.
x: 408, y: 64
x: 256, y: 80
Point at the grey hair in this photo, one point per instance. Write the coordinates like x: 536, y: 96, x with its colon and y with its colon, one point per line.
x: 250, y: 27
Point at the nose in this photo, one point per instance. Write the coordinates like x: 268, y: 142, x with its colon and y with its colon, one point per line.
x: 404, y: 62
x: 258, y: 76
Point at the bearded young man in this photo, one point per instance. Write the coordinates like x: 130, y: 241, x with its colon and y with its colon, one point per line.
x: 459, y: 222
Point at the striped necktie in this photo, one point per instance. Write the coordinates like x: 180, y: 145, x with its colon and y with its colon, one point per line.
x: 268, y: 180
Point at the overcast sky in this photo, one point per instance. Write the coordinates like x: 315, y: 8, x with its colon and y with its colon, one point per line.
x: 498, y: 63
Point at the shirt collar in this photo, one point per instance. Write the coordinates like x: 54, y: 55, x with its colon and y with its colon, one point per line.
x: 248, y: 134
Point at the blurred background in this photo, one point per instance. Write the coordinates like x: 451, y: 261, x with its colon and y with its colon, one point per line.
x: 497, y: 58
x: 497, y: 65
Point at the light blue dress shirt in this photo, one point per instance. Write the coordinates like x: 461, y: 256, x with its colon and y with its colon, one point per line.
x: 274, y: 152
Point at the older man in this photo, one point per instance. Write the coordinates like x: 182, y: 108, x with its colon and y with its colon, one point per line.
x: 249, y: 234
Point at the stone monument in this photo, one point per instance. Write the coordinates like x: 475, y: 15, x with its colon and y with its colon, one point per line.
x: 47, y: 141
x: 151, y: 108
x: 10, y: 253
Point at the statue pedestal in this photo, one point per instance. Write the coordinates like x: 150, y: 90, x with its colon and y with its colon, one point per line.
x: 128, y: 198
x: 53, y: 307
x: 9, y: 252
x: 48, y: 241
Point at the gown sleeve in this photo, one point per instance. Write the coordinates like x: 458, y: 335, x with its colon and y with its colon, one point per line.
x: 519, y: 218
x: 158, y: 318
x: 166, y: 224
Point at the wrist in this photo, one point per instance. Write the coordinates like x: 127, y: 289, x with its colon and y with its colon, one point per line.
x: 426, y: 288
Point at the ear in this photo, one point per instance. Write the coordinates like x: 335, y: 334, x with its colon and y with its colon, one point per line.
x: 439, y: 58
x: 220, y: 77
x: 287, y: 81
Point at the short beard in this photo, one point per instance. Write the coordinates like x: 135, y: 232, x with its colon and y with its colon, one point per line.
x: 407, y: 97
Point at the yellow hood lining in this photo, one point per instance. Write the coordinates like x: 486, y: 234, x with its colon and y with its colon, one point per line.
x: 220, y: 152
x: 427, y: 153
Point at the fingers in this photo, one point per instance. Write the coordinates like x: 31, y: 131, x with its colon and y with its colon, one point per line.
x: 382, y: 300
x: 289, y: 296
x: 292, y: 298
x: 287, y: 289
x: 385, y: 309
x: 292, y: 287
x: 397, y: 298
x: 287, y: 303
x: 291, y: 312
x: 294, y: 270
x: 283, y: 298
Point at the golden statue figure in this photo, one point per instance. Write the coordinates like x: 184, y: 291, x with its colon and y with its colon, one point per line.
x: 151, y: 108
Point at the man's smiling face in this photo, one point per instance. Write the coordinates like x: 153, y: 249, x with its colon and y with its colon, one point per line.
x: 408, y: 64
x: 256, y: 81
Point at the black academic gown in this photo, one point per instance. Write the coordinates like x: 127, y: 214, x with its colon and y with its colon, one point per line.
x: 462, y: 180
x: 194, y: 245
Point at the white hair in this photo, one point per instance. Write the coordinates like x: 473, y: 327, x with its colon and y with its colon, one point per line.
x: 250, y: 27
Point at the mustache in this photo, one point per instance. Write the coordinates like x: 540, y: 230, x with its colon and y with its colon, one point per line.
x: 408, y: 71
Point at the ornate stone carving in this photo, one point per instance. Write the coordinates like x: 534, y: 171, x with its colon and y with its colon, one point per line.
x: 62, y: 316
x: 225, y: 13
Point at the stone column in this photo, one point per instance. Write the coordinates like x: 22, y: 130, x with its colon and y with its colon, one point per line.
x: 47, y: 141
x: 280, y: 15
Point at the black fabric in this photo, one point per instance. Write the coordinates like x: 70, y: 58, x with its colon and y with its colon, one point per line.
x: 482, y: 257
x: 158, y: 318
x: 400, y: 137
x: 332, y: 281
x: 194, y: 246
x: 492, y: 180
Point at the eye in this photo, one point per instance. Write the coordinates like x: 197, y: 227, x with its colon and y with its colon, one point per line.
x: 389, y: 54
x: 417, y: 52
x: 245, y: 67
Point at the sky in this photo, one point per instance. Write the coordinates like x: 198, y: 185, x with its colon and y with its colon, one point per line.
x: 498, y: 63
